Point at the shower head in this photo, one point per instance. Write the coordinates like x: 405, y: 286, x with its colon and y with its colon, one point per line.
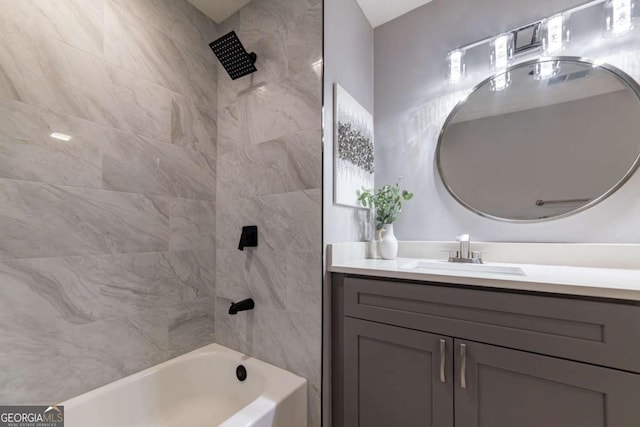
x: 233, y: 56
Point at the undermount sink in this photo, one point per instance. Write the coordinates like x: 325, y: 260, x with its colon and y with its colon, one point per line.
x: 477, y: 268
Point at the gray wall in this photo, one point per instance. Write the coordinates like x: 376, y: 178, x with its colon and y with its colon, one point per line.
x: 348, y: 61
x: 107, y: 259
x: 269, y: 175
x: 410, y: 108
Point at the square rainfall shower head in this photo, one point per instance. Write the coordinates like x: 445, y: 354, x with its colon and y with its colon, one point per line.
x: 233, y: 56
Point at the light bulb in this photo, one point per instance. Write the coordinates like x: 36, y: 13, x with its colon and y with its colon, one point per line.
x: 456, y: 66
x: 501, y: 51
x: 618, y: 14
x: 555, y: 34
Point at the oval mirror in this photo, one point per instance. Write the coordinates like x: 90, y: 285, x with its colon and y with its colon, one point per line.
x: 544, y: 140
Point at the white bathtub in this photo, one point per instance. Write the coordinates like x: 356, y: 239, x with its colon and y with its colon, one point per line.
x: 198, y: 389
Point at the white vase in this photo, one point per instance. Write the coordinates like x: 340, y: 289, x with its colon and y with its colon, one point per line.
x: 389, y: 243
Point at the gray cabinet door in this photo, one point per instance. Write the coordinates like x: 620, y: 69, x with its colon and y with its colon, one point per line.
x: 498, y: 387
x: 396, y: 377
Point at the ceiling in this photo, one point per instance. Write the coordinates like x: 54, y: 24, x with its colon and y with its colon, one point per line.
x: 381, y: 11
x: 377, y: 11
x: 219, y: 10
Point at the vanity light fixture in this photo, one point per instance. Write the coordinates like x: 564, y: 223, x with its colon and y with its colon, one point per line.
x: 555, y: 34
x: 545, y: 38
x: 60, y: 136
x: 501, y: 51
x: 501, y: 55
x: 618, y: 15
x: 457, y: 68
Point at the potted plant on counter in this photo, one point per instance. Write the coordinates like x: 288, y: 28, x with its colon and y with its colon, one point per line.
x: 387, y: 201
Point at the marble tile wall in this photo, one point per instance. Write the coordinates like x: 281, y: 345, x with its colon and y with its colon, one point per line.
x: 270, y: 174
x: 107, y: 241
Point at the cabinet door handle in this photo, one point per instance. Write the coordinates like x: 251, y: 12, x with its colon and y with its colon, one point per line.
x: 463, y: 366
x: 443, y: 356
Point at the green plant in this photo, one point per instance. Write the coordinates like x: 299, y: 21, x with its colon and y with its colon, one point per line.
x: 387, y: 201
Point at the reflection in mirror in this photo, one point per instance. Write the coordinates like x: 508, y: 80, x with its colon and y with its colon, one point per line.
x: 561, y: 137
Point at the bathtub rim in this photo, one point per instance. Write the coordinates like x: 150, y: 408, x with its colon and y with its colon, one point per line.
x: 280, y: 384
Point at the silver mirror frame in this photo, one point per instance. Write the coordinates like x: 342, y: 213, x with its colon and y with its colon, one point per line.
x: 621, y: 75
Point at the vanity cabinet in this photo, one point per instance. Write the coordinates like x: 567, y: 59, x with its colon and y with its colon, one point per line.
x: 421, y: 354
x: 396, y: 376
x: 500, y: 387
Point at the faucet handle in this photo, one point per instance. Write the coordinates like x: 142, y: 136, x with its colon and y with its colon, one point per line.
x: 463, y: 238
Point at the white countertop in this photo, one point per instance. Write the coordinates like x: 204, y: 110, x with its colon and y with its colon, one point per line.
x: 616, y: 283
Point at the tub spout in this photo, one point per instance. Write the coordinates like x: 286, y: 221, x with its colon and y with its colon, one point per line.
x: 243, y: 305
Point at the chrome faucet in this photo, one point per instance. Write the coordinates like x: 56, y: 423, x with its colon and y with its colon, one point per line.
x: 465, y: 245
x: 464, y: 253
